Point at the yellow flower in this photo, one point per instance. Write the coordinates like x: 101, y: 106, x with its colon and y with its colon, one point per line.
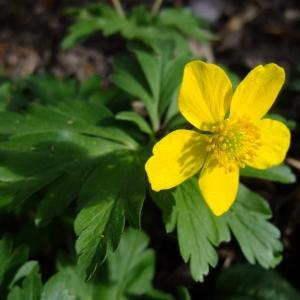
x: 231, y: 135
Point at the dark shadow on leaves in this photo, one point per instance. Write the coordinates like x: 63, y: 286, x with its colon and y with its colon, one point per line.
x: 41, y: 166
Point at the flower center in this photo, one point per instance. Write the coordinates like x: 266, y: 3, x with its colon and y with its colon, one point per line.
x: 233, y: 142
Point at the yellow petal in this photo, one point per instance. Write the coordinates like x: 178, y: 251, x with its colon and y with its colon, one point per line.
x: 257, y: 92
x: 219, y: 187
x: 176, y: 157
x: 205, y: 94
x: 275, y: 141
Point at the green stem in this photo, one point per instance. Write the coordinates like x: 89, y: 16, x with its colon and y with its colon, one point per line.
x: 118, y: 8
x: 154, y: 119
x: 155, y: 8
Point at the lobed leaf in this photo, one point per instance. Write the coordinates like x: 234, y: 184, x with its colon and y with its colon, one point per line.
x: 199, y: 231
x: 110, y: 195
x: 131, y: 266
x: 67, y: 284
x: 258, y: 239
x: 54, y: 148
x: 127, y: 274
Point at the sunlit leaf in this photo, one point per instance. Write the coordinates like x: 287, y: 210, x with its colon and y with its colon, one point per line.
x: 258, y: 239
x: 199, y: 231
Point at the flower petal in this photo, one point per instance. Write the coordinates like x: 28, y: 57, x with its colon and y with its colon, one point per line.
x: 257, y: 92
x: 275, y: 139
x: 219, y: 187
x: 205, y: 94
x: 176, y: 157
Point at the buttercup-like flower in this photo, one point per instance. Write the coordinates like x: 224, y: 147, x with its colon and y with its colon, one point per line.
x: 231, y: 132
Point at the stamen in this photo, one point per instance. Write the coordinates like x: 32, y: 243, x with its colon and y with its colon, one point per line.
x: 234, y: 142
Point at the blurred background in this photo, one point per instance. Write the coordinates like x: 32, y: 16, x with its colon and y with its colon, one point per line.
x: 250, y: 32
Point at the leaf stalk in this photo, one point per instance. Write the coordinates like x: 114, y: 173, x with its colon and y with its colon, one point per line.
x: 119, y: 8
x: 155, y: 8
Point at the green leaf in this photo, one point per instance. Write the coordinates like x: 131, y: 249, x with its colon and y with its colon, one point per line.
x: 80, y: 31
x: 171, y: 25
x: 25, y: 270
x: 199, y: 231
x: 90, y: 19
x: 151, y: 66
x: 138, y: 26
x: 9, y: 257
x: 67, y: 284
x: 152, y: 78
x: 184, y: 21
x: 74, y: 116
x: 172, y: 76
x: 156, y: 295
x: 166, y: 202
x: 258, y: 239
x: 127, y: 274
x: 54, y: 148
x: 47, y: 89
x: 282, y: 174
x: 183, y: 293
x: 111, y: 193
x: 129, y: 77
x: 244, y: 282
x: 5, y: 94
x: 61, y: 192
x: 31, y: 286
x: 131, y: 267
x: 16, y: 294
x: 89, y: 88
x: 50, y: 90
x: 176, y: 122
x: 136, y: 119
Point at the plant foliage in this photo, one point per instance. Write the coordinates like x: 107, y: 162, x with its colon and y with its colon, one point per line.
x: 199, y: 231
x: 170, y: 24
x: 74, y: 195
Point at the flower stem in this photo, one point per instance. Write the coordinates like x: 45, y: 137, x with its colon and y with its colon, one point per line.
x: 118, y: 8
x: 155, y: 8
